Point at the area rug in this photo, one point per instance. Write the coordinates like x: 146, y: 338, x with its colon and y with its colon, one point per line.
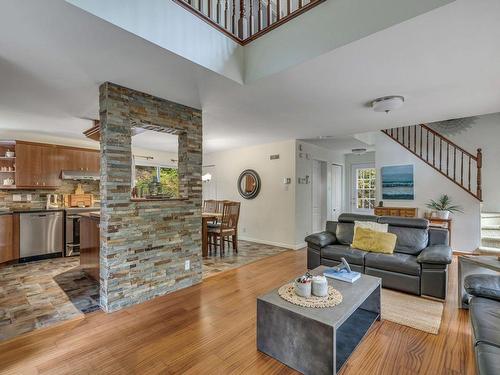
x: 412, y: 311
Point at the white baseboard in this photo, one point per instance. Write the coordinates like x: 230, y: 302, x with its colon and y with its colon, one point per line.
x: 272, y: 243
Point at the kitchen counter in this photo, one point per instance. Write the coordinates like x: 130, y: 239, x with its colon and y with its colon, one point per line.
x: 92, y: 215
x: 29, y: 210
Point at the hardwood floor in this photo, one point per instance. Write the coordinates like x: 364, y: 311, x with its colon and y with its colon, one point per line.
x: 210, y: 329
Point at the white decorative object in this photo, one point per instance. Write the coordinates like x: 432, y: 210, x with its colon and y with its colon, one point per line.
x: 288, y: 293
x: 9, y: 154
x: 319, y: 286
x: 388, y: 103
x: 303, y: 289
x: 441, y: 214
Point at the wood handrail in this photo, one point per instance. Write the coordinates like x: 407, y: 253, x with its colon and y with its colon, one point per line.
x: 246, y: 30
x: 448, y: 141
x: 460, y: 173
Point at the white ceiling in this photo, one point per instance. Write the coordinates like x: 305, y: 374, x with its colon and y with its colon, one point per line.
x: 53, y: 57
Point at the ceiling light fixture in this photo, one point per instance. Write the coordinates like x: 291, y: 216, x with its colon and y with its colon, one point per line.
x: 388, y: 103
x: 359, y: 151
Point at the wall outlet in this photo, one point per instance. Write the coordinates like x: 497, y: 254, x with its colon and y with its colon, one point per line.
x: 187, y: 265
x: 17, y: 197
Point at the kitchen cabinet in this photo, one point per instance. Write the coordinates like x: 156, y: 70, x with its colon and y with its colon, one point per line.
x: 80, y: 160
x: 9, y: 250
x: 90, y: 244
x: 37, y: 165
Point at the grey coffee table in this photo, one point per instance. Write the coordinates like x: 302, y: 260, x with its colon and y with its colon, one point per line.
x: 318, y: 341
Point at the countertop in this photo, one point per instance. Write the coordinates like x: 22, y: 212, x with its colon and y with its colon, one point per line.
x: 92, y: 215
x: 34, y: 210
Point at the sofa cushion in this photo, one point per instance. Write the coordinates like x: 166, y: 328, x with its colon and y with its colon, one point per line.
x: 371, y: 240
x: 486, y: 286
x: 410, y: 240
x: 397, y: 262
x: 485, y: 319
x: 335, y: 252
x: 488, y: 359
x: 345, y: 233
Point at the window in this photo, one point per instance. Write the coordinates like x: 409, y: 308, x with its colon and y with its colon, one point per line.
x: 167, y: 177
x: 365, y: 188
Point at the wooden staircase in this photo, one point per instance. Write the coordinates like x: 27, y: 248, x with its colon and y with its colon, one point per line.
x: 246, y: 20
x: 446, y: 157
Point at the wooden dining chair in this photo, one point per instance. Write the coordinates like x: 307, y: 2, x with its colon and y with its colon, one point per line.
x: 210, y: 206
x: 228, y: 227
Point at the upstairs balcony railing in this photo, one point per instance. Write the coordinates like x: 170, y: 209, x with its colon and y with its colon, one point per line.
x: 246, y: 20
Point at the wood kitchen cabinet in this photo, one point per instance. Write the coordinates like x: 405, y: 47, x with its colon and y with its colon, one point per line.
x: 8, y: 248
x: 76, y: 159
x: 37, y: 165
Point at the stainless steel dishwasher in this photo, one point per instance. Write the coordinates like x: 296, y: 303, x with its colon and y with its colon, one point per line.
x: 41, y: 233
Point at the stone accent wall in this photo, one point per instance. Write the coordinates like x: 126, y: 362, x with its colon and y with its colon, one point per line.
x: 144, y: 245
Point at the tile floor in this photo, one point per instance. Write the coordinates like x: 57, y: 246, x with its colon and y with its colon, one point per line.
x: 39, y: 294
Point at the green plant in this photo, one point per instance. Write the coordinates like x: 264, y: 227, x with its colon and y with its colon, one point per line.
x: 444, y: 203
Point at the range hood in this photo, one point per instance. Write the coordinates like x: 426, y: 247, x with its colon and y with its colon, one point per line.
x: 80, y: 175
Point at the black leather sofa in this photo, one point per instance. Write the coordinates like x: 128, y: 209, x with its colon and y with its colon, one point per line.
x: 484, y: 315
x: 419, y: 264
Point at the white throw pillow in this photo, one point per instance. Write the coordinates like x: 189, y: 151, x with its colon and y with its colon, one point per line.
x: 371, y: 225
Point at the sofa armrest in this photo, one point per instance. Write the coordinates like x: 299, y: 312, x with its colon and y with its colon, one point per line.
x: 321, y: 239
x: 436, y: 254
x: 486, y: 286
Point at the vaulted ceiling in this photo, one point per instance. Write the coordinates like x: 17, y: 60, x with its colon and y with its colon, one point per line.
x: 53, y: 56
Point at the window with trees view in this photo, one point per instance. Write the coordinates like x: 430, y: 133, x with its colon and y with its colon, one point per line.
x: 167, y: 177
x: 365, y: 188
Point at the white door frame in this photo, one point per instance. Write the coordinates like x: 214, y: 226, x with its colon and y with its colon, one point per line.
x: 335, y: 191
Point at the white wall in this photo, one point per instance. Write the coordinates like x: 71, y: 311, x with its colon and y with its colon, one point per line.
x: 172, y: 27
x: 485, y: 134
x: 305, y: 154
x: 429, y: 184
x: 270, y: 217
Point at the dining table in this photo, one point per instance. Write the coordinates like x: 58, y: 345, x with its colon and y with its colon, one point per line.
x: 206, y: 218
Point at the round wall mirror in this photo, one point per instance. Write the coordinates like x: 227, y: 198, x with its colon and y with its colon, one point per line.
x: 249, y: 184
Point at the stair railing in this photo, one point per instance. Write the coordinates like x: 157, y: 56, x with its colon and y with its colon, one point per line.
x: 246, y: 20
x: 442, y: 154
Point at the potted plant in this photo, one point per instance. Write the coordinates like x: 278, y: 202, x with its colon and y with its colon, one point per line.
x: 442, y: 207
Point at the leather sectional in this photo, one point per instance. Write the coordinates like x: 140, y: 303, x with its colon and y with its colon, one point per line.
x: 419, y: 264
x: 484, y: 308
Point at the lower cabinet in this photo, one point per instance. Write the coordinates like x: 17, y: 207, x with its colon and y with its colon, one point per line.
x: 9, y: 237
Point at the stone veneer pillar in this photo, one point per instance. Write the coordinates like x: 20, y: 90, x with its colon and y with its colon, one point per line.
x: 144, y: 245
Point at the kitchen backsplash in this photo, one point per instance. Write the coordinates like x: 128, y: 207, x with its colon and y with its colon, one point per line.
x: 39, y: 197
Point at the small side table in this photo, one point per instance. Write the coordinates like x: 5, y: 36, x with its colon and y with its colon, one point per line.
x: 441, y: 223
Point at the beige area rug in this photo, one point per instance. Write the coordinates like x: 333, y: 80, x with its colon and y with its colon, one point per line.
x: 412, y: 311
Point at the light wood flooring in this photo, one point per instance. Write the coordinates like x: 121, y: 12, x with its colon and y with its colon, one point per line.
x: 210, y: 329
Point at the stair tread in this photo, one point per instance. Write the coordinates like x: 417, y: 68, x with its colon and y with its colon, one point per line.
x: 491, y: 227
x: 490, y: 214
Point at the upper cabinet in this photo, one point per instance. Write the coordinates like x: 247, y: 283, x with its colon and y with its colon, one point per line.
x: 39, y: 165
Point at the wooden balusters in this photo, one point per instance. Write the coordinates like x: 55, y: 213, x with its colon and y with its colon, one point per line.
x: 239, y: 21
x: 259, y: 16
x: 443, y: 165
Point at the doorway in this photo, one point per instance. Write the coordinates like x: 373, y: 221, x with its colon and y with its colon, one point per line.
x: 336, y: 192
x: 363, y: 185
x: 319, y: 195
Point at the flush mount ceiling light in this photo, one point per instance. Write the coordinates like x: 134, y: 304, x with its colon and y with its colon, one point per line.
x: 358, y: 151
x: 388, y: 103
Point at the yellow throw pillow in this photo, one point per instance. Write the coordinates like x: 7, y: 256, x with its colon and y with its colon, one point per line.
x: 377, y: 242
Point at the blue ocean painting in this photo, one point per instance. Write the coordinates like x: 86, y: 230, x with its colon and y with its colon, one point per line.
x: 397, y: 182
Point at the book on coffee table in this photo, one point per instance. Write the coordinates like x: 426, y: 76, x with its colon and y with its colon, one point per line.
x: 342, y: 275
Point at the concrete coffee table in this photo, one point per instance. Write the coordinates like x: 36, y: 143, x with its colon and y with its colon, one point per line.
x: 318, y: 341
